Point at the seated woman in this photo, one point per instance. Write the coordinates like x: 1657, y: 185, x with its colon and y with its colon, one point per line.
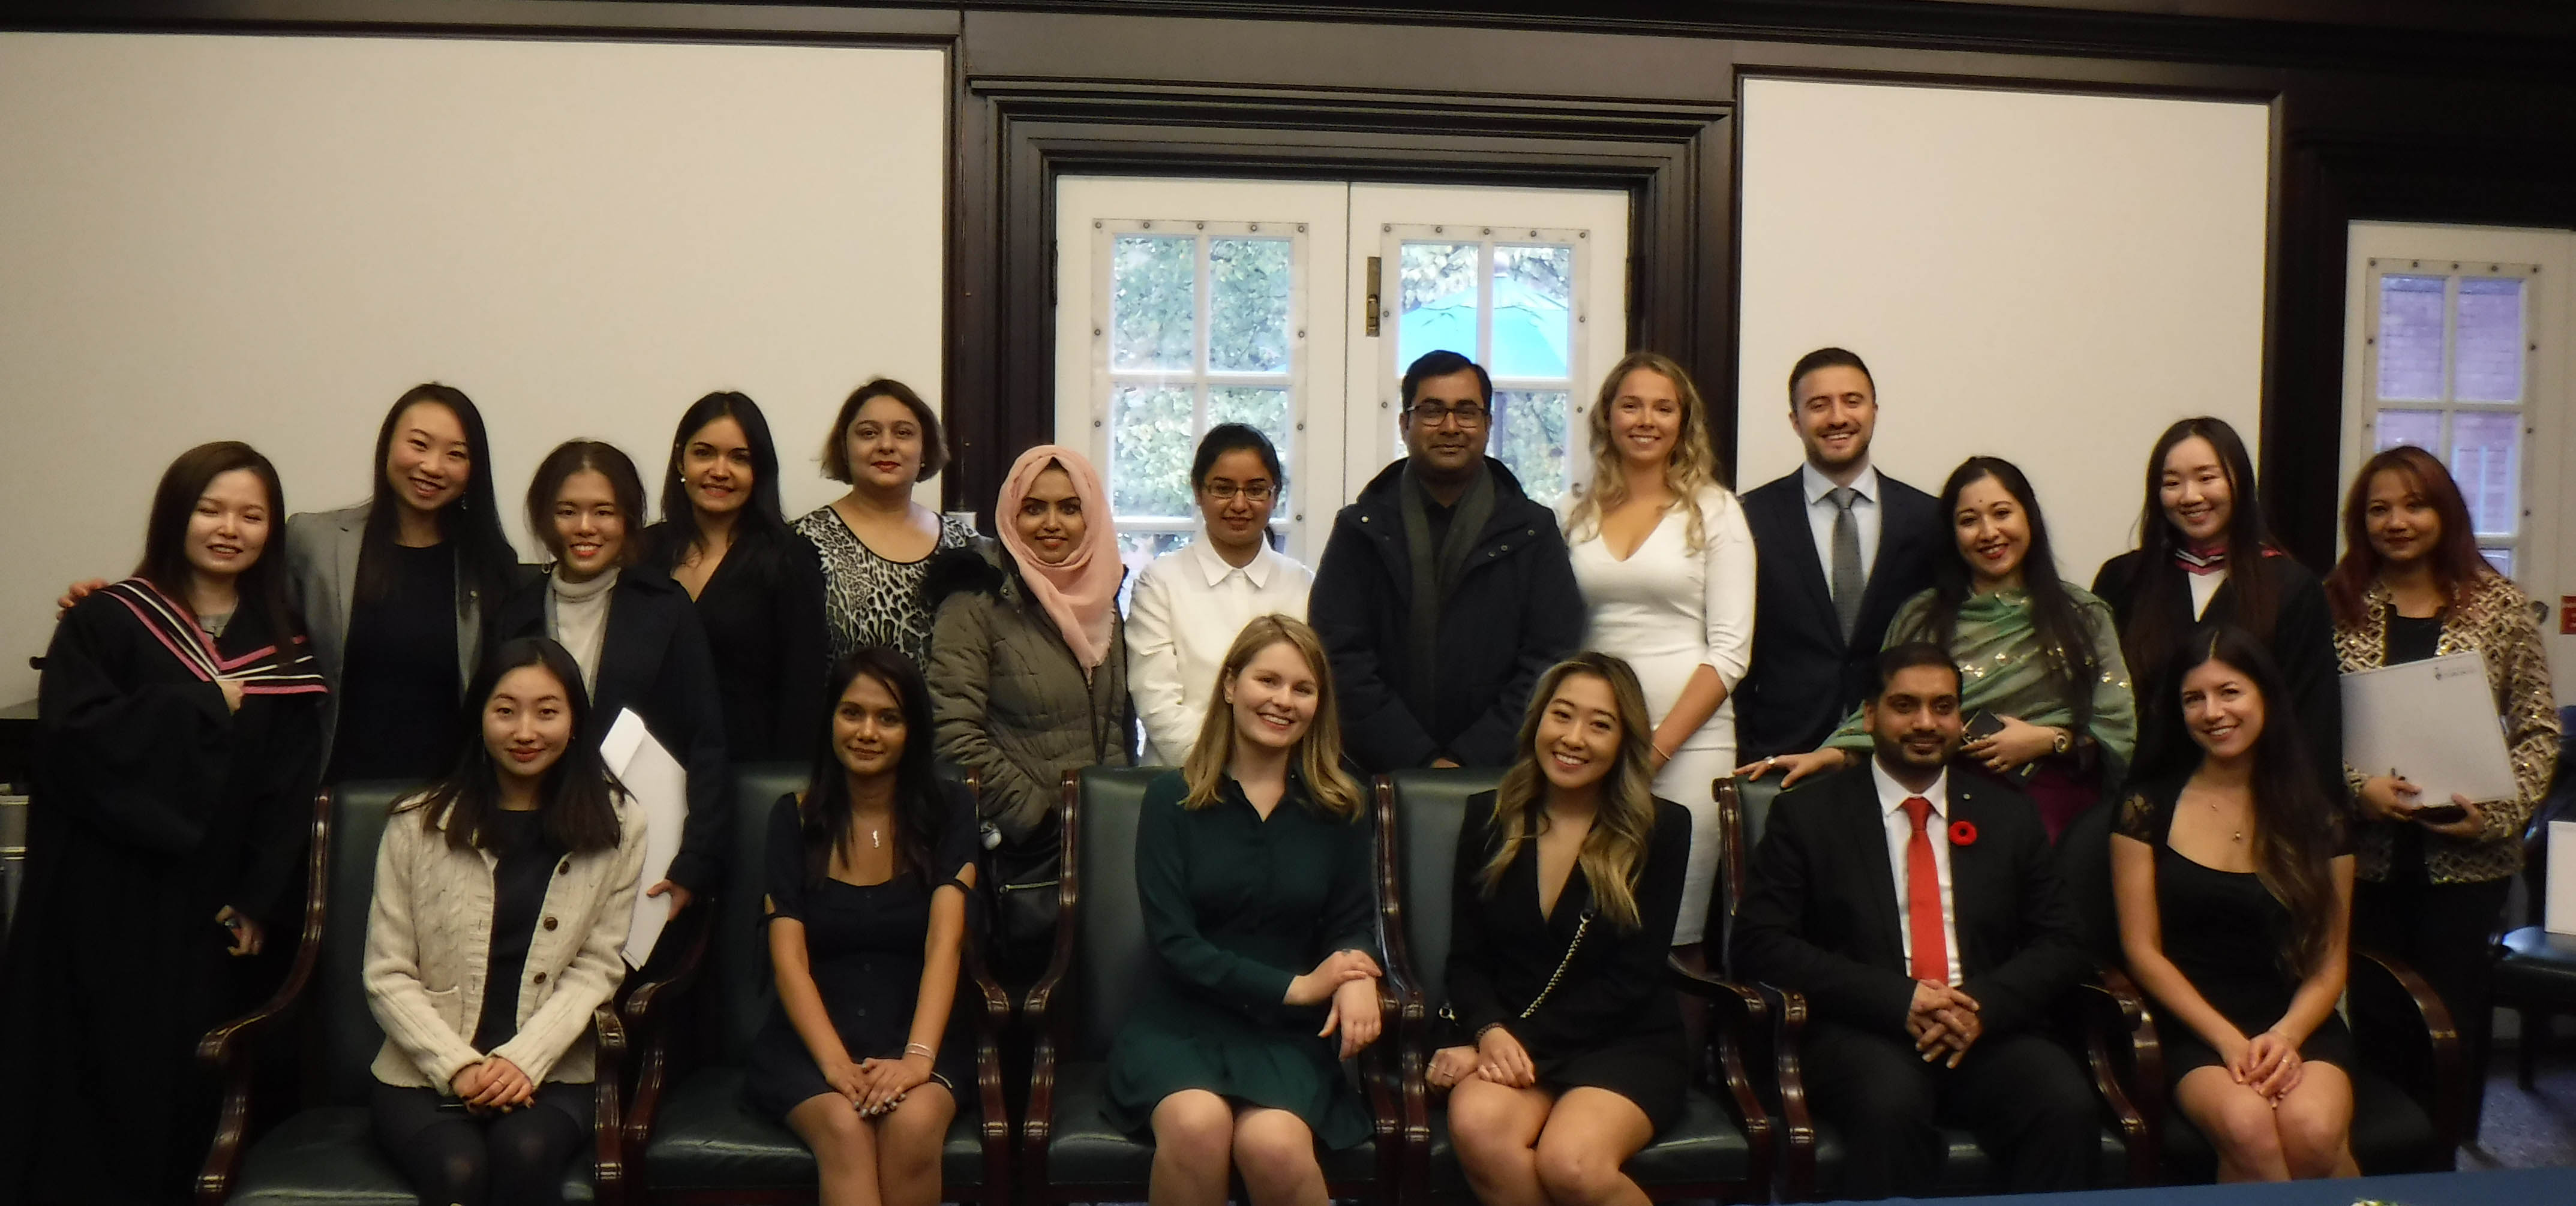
x: 2045, y: 692
x: 634, y: 635
x: 1028, y: 680
x: 1568, y: 881
x: 2235, y: 896
x: 868, y: 872
x: 1252, y: 862
x: 503, y: 897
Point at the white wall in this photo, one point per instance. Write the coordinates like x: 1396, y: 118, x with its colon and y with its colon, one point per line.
x: 2048, y: 278
x: 270, y: 238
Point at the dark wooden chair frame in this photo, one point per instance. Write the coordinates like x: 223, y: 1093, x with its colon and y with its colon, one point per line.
x: 1737, y: 1019
x: 1379, y: 1073
x: 225, y: 1051
x: 2107, y: 1019
x: 650, y: 1011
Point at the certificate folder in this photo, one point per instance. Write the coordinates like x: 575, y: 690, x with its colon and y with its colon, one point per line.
x: 2432, y: 722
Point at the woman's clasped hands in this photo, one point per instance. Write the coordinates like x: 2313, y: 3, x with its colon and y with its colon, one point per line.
x: 1348, y: 980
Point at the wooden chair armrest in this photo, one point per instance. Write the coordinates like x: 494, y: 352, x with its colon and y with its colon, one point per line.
x: 2450, y: 1064
x: 609, y: 1135
x: 1797, y: 1127
x: 2108, y: 1018
x: 224, y: 1051
x: 645, y: 1013
x: 991, y: 1023
x: 1041, y: 1012
x: 1739, y: 1029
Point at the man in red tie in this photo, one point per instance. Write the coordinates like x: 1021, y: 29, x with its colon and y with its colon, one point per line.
x: 1920, y: 914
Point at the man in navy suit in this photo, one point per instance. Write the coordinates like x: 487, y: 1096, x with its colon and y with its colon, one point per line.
x: 1840, y: 546
x: 1922, y: 917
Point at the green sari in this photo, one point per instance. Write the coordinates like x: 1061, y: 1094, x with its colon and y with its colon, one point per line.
x: 2003, y: 669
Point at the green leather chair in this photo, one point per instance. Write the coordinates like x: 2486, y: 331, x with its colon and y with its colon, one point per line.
x: 2095, y: 1022
x: 1069, y: 1152
x: 1720, y: 1147
x: 325, y: 1154
x: 697, y: 1141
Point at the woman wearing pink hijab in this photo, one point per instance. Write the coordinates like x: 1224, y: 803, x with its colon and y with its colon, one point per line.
x: 1028, y: 679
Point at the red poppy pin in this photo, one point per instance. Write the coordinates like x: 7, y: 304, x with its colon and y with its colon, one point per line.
x: 1963, y: 833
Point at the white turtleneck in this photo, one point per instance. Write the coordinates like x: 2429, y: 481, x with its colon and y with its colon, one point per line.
x: 577, y: 617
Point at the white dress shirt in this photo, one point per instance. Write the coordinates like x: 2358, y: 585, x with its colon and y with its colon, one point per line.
x: 1821, y: 511
x: 2204, y: 587
x: 1188, y: 607
x: 1900, y: 835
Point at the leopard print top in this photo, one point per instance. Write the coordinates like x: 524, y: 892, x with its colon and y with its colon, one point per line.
x: 869, y: 600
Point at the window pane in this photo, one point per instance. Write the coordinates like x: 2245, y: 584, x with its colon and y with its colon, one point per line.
x: 2486, y: 448
x: 1265, y: 411
x: 1153, y: 310
x: 2501, y: 559
x: 1138, y: 549
x: 1248, y: 305
x: 1150, y: 446
x: 1435, y: 304
x: 2422, y: 428
x: 1529, y: 436
x: 2489, y: 340
x: 2410, y: 337
x: 1533, y: 312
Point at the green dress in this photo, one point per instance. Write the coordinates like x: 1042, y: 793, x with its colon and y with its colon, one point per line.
x: 1236, y: 907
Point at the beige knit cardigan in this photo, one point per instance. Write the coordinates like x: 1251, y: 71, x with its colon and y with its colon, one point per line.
x: 429, y: 933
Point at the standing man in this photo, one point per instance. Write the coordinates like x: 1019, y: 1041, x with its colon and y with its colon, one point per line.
x: 1922, y: 917
x: 1839, y: 547
x: 1444, y: 591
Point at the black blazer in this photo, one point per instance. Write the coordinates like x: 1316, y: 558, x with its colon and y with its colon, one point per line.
x: 654, y: 659
x: 1502, y: 953
x: 1820, y: 905
x: 1805, y: 678
x: 2302, y: 645
x: 763, y: 614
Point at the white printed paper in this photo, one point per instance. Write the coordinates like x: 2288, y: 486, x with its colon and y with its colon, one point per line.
x: 2431, y: 722
x: 2560, y: 915
x: 659, y: 786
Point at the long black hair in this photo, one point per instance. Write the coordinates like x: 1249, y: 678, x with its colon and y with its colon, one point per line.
x: 918, y: 811
x: 763, y: 521
x: 2294, y: 825
x: 2152, y: 635
x: 575, y: 796
x: 259, y: 589
x: 471, y: 524
x: 595, y: 456
x: 2065, y: 643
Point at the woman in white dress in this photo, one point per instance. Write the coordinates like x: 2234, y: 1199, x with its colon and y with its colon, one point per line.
x: 1666, y: 565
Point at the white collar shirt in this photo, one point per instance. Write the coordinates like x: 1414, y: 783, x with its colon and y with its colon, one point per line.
x: 1900, y: 835
x: 1821, y: 511
x: 1187, y: 608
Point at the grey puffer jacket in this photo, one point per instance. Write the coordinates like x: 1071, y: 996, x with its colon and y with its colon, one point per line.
x: 1008, y: 697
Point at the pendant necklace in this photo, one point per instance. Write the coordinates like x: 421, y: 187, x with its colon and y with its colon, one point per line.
x: 876, y: 841
x: 2238, y: 836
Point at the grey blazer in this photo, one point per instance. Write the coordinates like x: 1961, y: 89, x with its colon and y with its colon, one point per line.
x: 322, y: 571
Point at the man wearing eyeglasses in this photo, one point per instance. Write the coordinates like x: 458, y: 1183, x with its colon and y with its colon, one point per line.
x: 1444, y: 591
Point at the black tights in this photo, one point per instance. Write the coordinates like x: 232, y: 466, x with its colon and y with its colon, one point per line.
x: 513, y: 1159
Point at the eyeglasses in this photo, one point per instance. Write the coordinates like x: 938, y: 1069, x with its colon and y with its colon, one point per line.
x: 1256, y: 493
x: 1430, y: 414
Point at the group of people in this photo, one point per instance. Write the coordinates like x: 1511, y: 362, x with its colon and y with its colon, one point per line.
x: 2179, y: 720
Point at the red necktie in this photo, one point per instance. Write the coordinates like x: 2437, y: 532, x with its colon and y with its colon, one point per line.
x: 1923, y: 898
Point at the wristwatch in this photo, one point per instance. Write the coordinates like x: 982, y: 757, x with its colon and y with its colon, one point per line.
x: 2063, y: 742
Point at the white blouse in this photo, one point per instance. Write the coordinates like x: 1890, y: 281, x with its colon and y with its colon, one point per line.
x: 1188, y: 607
x: 1669, y: 609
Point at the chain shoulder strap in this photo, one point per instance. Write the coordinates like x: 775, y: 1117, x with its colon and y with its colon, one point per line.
x: 1581, y: 928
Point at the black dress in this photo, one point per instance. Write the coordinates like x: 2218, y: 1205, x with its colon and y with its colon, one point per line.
x: 865, y: 948
x: 2223, y: 930
x: 1612, y: 1020
x: 1235, y: 908
x: 398, y: 675
x: 763, y: 614
x: 154, y: 807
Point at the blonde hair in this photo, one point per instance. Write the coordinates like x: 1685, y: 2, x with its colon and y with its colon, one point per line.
x: 1318, y: 756
x: 1614, y: 853
x: 1690, y: 470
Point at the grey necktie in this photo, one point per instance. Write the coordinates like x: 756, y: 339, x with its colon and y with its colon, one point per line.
x: 1847, y: 580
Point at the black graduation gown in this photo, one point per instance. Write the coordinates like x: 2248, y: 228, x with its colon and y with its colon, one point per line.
x: 153, y: 808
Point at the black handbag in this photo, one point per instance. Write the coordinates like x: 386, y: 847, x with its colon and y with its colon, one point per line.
x: 1022, y: 902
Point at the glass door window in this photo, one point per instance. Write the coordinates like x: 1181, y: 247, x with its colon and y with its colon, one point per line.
x: 2448, y: 365
x: 1510, y: 301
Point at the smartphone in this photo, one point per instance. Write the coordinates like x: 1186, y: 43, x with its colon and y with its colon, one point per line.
x: 2441, y: 814
x: 1983, y: 724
